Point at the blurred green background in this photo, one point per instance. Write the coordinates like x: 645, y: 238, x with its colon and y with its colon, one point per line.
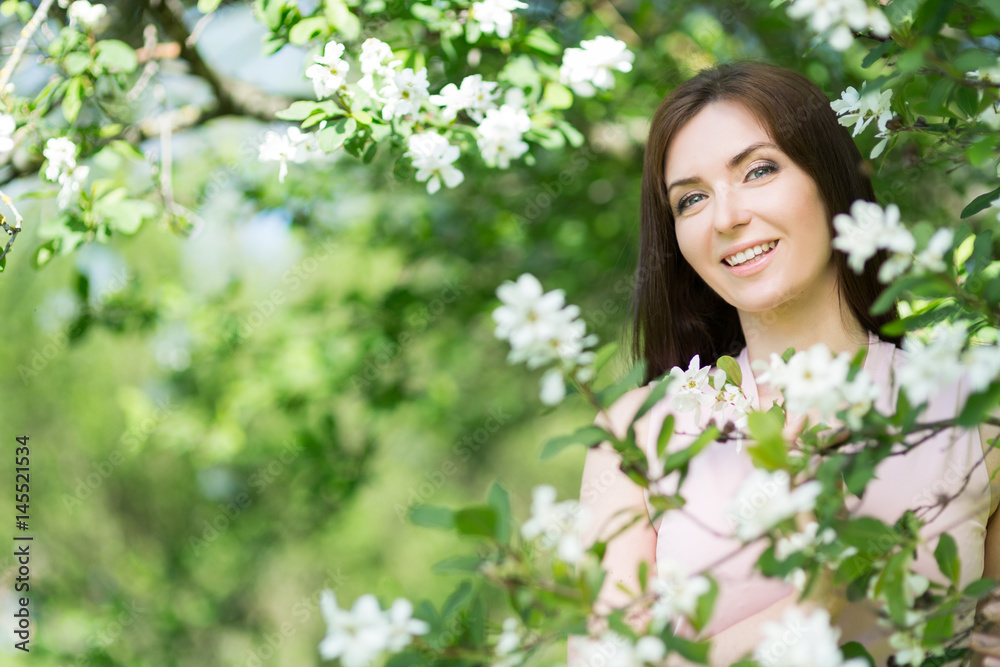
x: 223, y: 425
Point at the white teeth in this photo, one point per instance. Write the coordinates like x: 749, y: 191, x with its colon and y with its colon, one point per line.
x: 749, y: 253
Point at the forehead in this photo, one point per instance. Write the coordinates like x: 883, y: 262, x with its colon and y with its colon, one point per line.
x: 710, y: 138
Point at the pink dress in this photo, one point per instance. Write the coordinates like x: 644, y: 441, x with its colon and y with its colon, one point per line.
x: 907, y: 481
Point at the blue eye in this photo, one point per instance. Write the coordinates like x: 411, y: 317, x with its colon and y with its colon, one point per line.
x: 769, y: 168
x: 686, y: 201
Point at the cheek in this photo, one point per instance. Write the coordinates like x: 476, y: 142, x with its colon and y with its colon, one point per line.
x: 688, y: 242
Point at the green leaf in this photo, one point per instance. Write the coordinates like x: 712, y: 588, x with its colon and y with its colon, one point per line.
x: 73, y: 100
x: 734, y: 375
x: 693, y: 651
x: 114, y: 55
x: 860, y: 472
x: 341, y: 18
x: 458, y: 599
x: 362, y: 116
x: 333, y: 137
x: 557, y: 96
x: 308, y: 29
x: 684, y: 456
x: 946, y: 555
x: 539, y: 40
x: 938, y: 630
x: 643, y: 575
x: 208, y: 6
x: 609, y: 395
x: 892, y: 583
x: 979, y: 407
x: 76, y: 63
x: 980, y: 203
x: 857, y: 650
x: 432, y: 516
x: 472, y: 32
x: 604, y: 354
x: 499, y: 499
x: 876, y: 53
x: 573, y: 135
x: 587, y: 436
x: 706, y: 605
x: 979, y: 588
x: 769, y: 450
x: 303, y: 109
x: 480, y: 520
x: 666, y: 432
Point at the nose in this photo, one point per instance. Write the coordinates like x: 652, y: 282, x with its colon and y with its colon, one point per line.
x: 730, y: 210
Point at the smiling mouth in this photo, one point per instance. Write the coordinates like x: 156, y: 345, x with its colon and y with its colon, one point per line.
x: 750, y: 254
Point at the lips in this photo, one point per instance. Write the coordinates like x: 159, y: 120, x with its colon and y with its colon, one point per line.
x: 748, y: 254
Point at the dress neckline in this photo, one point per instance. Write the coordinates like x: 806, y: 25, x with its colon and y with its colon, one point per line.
x: 750, y: 382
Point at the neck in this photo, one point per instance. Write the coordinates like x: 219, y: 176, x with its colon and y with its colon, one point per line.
x: 802, y: 323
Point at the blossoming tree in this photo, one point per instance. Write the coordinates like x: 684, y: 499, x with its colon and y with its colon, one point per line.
x: 458, y: 96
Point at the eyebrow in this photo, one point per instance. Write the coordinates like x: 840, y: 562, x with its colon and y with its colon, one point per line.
x: 733, y: 163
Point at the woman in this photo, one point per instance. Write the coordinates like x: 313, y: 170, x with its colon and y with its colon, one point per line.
x: 745, y: 167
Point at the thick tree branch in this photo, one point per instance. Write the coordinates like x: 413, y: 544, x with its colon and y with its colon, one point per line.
x: 234, y: 97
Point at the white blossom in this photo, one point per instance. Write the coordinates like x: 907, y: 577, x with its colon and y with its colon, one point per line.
x: 495, y: 16
x: 509, y: 639
x: 500, y: 135
x: 7, y: 127
x: 85, y: 14
x: 802, y: 641
x: 404, y: 93
x: 71, y: 185
x: 933, y: 361
x: 556, y: 525
x: 402, y: 626
x: 859, y: 109
x: 688, y: 389
x: 840, y: 19
x: 375, y: 59
x: 360, y: 636
x: 474, y: 96
x: 932, y: 258
x: 589, y: 67
x: 62, y: 168
x: 676, y: 592
x: 868, y: 229
x: 541, y: 330
x: 433, y: 158
x: 982, y: 362
x: 765, y: 499
x: 614, y: 650
x: 61, y: 154
x: 807, y: 541
x: 293, y: 146
x: 329, y: 72
x: 814, y: 379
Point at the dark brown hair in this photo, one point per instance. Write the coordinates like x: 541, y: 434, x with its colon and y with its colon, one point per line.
x: 677, y: 315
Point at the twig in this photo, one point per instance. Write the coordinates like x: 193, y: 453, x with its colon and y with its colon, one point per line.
x: 22, y: 43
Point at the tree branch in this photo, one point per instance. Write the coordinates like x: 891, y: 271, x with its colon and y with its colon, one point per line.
x: 234, y: 97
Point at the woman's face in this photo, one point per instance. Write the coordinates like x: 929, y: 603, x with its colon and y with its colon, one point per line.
x: 749, y: 221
